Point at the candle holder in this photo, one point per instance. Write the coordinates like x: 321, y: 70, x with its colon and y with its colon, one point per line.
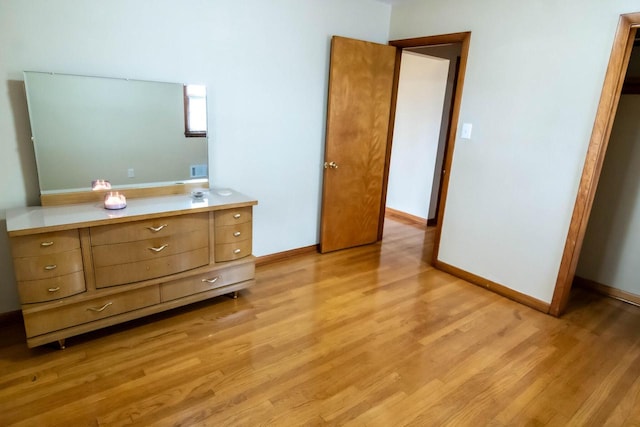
x: 100, y: 184
x: 114, y: 200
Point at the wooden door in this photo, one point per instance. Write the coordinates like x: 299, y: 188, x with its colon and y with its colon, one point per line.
x: 359, y: 102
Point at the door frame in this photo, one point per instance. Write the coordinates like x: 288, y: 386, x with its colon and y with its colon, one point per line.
x: 441, y: 172
x: 607, y: 107
x: 464, y: 38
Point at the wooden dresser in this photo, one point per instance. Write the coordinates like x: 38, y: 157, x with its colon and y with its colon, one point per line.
x: 81, y: 267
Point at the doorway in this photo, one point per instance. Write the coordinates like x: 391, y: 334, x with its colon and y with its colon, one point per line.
x: 608, y: 259
x: 609, y: 99
x: 426, y: 86
x: 360, y: 120
x: 420, y: 43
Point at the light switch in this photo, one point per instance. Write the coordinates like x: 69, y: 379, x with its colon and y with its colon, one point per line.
x: 131, y: 173
x: 466, y: 131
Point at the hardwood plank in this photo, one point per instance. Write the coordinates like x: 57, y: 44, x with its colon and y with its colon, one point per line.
x: 371, y: 335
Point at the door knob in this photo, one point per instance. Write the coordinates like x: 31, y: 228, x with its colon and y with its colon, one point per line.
x: 332, y: 165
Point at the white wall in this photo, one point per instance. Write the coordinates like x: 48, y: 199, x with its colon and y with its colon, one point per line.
x: 532, y: 86
x: 265, y: 65
x: 421, y: 89
x: 612, y: 242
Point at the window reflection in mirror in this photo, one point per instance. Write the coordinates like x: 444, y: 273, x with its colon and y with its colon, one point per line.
x: 129, y: 132
x: 195, y: 107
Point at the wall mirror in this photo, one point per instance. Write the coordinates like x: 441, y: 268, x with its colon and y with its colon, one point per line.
x: 133, y: 133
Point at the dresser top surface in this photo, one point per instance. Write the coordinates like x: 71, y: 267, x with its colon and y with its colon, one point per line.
x: 30, y: 220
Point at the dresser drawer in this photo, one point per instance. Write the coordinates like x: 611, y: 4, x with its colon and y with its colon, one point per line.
x: 47, y: 266
x: 153, y: 228
x: 45, y: 243
x: 141, y: 250
x: 232, y: 216
x: 233, y: 233
x: 206, y: 282
x: 33, y: 291
x: 119, y: 274
x: 41, y: 322
x: 231, y: 251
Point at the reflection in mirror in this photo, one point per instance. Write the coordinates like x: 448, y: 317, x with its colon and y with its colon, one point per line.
x: 132, y: 133
x: 195, y: 110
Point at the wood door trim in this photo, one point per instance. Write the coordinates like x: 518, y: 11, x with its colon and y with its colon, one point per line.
x: 431, y: 40
x: 434, y: 221
x: 464, y: 38
x: 611, y: 90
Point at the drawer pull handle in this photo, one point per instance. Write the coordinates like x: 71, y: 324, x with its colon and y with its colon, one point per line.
x: 237, y: 216
x: 160, y: 248
x: 50, y: 267
x: 158, y: 228
x: 54, y: 289
x: 237, y: 251
x: 236, y: 234
x: 214, y: 280
x: 98, y: 310
x: 45, y: 244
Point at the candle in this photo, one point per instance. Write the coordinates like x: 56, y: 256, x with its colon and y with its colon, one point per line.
x: 100, y: 184
x: 114, y: 200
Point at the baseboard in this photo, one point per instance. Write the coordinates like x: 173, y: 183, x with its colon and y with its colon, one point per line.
x: 280, y: 256
x: 10, y: 318
x: 494, y: 287
x: 416, y: 220
x: 607, y: 290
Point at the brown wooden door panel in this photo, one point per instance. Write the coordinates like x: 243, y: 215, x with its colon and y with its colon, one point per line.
x: 359, y: 102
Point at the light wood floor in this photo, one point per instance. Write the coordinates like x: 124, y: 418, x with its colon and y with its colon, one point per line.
x: 370, y: 336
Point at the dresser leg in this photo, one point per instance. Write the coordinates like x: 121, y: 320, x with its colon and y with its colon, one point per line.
x: 233, y: 294
x: 61, y: 344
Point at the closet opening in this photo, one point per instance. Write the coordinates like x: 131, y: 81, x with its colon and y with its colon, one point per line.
x: 608, y: 259
x: 623, y: 44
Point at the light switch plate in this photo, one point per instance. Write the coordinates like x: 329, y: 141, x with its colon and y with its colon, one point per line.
x: 466, y: 131
x: 198, y: 171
